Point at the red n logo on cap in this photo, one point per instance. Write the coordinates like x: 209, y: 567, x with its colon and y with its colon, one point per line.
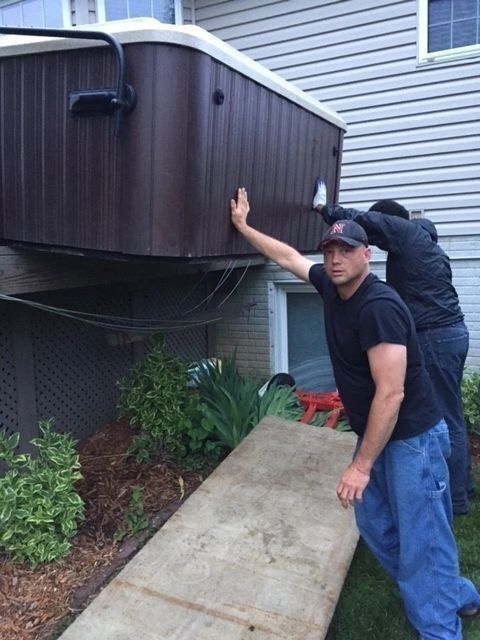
x: 337, y: 227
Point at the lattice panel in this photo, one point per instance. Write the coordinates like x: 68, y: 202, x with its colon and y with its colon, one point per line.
x: 75, y: 366
x: 76, y: 370
x: 8, y: 381
x: 174, y: 297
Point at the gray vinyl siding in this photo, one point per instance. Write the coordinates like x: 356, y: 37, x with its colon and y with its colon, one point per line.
x: 413, y: 129
x: 188, y: 12
x: 83, y: 11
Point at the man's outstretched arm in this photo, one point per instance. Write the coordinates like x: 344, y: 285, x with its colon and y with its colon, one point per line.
x: 285, y: 256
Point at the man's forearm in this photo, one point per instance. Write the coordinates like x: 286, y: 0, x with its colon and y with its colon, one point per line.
x: 285, y: 256
x: 382, y: 419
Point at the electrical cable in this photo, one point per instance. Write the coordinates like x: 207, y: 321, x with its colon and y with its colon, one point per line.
x: 142, y: 325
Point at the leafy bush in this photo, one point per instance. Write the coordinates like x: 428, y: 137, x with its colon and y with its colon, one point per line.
x: 471, y: 401
x: 154, y: 398
x: 39, y: 507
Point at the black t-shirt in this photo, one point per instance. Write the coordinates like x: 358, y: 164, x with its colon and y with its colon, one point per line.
x: 374, y: 314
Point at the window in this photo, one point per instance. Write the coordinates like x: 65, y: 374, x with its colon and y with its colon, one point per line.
x: 299, y: 344
x: 35, y: 13
x: 168, y: 11
x: 448, y: 29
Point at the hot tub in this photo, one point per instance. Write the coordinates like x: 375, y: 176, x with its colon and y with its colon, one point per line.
x: 206, y: 119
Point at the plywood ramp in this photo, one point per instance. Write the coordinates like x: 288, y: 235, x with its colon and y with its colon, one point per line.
x: 260, y: 551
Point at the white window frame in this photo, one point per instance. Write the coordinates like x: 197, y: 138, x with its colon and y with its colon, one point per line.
x: 423, y: 55
x: 65, y: 4
x: 101, y: 13
x: 277, y: 294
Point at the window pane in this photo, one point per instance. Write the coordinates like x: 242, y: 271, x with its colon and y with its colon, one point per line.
x: 53, y: 13
x: 164, y: 10
x: 452, y: 24
x: 140, y: 8
x: 308, y: 359
x: 464, y: 9
x: 12, y: 16
x: 116, y: 9
x: 464, y: 33
x: 439, y: 38
x: 33, y: 14
x: 439, y: 11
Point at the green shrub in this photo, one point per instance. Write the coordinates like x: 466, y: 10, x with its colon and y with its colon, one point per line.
x: 230, y: 405
x: 154, y: 399
x: 39, y: 507
x: 134, y: 519
x: 471, y: 401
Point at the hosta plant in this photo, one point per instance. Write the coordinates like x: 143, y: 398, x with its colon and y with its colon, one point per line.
x: 39, y: 506
x: 153, y: 397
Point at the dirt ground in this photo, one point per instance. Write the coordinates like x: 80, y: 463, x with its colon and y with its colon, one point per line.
x: 33, y: 603
x: 38, y: 604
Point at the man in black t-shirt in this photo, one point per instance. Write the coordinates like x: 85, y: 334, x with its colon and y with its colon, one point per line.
x: 419, y: 270
x: 398, y: 479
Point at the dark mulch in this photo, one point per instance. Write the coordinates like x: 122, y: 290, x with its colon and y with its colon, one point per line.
x: 475, y: 448
x: 34, y: 602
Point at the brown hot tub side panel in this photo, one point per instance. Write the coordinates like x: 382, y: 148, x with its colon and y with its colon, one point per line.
x: 162, y: 187
x: 274, y: 148
x: 59, y: 174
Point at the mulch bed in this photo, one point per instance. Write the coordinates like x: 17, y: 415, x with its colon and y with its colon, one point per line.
x: 33, y: 603
x: 475, y: 449
x: 37, y: 604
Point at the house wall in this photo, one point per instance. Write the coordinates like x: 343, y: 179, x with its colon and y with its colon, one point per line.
x: 413, y: 128
x: 83, y: 11
x: 188, y: 12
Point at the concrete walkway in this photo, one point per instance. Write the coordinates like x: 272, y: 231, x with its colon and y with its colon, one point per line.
x: 260, y: 551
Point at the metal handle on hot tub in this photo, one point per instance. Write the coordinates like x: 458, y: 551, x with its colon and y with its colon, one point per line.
x: 118, y: 103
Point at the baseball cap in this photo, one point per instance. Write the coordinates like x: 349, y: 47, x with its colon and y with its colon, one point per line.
x: 346, y: 231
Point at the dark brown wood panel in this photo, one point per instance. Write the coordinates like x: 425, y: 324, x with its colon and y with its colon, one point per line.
x: 162, y: 188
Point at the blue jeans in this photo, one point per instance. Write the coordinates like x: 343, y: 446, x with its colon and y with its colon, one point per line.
x: 405, y: 518
x: 445, y: 350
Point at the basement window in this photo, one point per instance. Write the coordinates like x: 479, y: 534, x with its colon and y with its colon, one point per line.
x: 448, y: 29
x: 299, y: 341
